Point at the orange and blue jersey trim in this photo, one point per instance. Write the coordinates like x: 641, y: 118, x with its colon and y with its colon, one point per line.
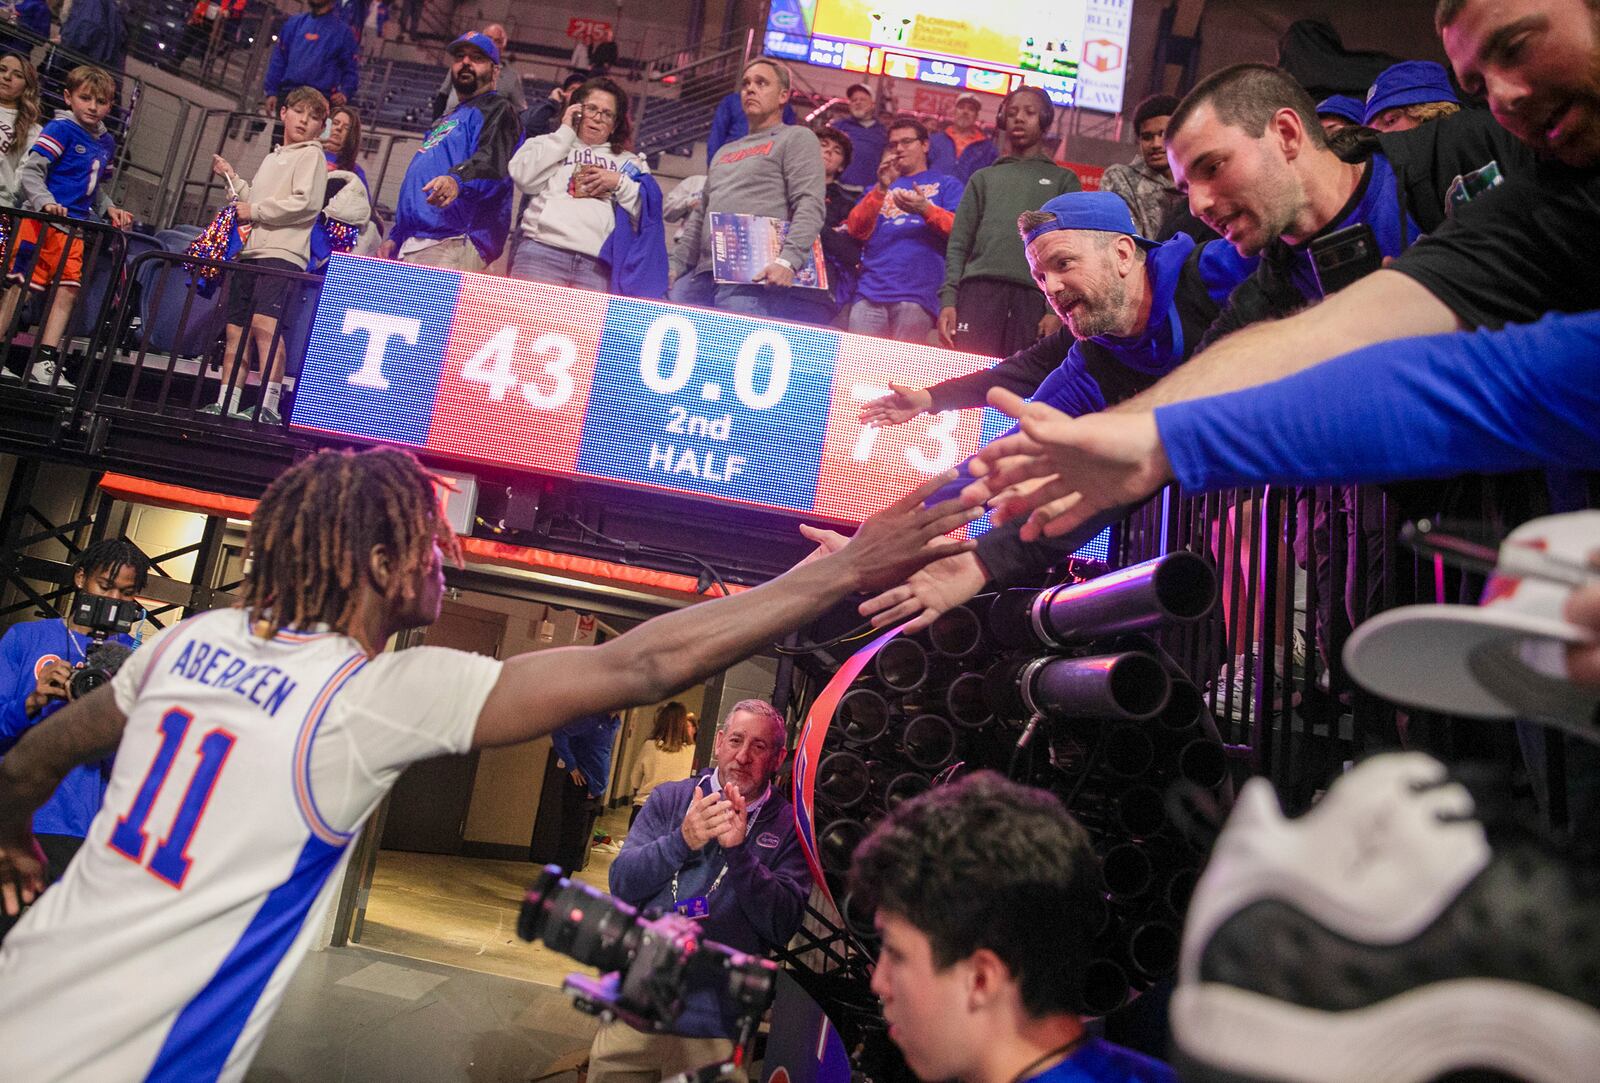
x: 304, y: 798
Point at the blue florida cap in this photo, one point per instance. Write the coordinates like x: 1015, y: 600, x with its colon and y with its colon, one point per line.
x: 1103, y: 211
x: 1342, y: 105
x: 478, y: 41
x: 1410, y: 82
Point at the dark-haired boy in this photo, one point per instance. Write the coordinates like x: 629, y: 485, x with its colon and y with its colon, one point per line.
x: 984, y: 892
x: 36, y: 664
x: 1145, y: 184
x: 65, y: 174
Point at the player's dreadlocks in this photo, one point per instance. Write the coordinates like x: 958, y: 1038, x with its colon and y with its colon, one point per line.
x: 313, y: 531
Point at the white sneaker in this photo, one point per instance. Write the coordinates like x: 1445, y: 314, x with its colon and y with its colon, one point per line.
x: 7, y: 374
x: 44, y: 372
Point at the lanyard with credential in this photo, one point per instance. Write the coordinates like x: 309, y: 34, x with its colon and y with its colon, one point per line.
x: 699, y: 905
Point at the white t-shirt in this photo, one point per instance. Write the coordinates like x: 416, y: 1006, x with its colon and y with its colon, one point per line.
x: 245, y: 769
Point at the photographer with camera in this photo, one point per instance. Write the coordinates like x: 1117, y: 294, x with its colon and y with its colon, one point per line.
x: 985, y: 894
x: 42, y: 663
x: 720, y: 848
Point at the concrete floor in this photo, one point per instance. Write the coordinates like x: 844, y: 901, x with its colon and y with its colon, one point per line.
x: 439, y: 987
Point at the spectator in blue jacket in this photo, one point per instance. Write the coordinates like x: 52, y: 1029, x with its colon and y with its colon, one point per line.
x: 720, y: 847
x: 315, y: 49
x: 37, y: 660
x: 454, y: 208
x: 867, y: 138
x: 34, y: 17
x: 729, y: 123
x: 962, y: 147
x: 583, y: 749
x: 95, y: 29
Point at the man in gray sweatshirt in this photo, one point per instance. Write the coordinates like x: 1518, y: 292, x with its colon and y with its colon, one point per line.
x: 775, y: 171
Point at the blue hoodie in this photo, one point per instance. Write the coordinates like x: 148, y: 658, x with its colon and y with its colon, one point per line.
x: 474, y: 142
x: 24, y: 651
x: 316, y: 51
x: 756, y: 908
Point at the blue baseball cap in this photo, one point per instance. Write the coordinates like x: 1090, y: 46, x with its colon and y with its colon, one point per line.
x: 1342, y: 105
x: 478, y: 41
x: 1410, y: 82
x: 1102, y: 211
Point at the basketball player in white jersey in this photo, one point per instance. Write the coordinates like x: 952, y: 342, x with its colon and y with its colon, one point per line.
x: 252, y: 743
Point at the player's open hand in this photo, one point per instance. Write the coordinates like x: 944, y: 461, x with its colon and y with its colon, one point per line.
x: 1059, y: 472
x: 901, y: 539
x: 21, y: 869
x: 928, y: 594
x: 900, y: 405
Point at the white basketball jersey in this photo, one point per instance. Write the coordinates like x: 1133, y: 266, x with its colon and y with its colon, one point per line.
x: 246, y: 768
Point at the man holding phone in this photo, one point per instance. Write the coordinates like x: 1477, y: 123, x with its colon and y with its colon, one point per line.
x: 719, y: 848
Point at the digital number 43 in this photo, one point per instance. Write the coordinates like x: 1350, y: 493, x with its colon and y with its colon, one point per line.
x: 941, y: 433
x: 493, y: 366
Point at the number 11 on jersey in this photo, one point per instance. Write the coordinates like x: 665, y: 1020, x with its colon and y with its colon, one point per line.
x: 170, y: 860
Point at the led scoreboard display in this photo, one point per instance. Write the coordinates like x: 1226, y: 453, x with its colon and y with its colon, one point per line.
x: 562, y: 381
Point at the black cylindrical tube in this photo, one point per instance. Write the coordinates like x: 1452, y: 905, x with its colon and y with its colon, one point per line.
x: 1179, y: 887
x: 1127, y: 871
x: 862, y: 717
x: 842, y: 779
x: 965, y: 702
x: 903, y: 787
x: 1203, y: 762
x: 1181, y: 715
x: 901, y: 665
x: 929, y: 742
x: 1141, y: 811
x: 837, y: 842
x: 1179, y: 586
x: 1153, y: 949
x: 1128, y: 752
x: 1131, y: 686
x: 956, y: 634
x: 1105, y: 987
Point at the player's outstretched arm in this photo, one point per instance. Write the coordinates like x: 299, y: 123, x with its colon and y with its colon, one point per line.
x: 543, y: 690
x: 82, y: 732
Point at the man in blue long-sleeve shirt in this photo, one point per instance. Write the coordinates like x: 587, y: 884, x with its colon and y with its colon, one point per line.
x: 1436, y: 406
x: 314, y: 49
x: 720, y: 848
x: 583, y: 749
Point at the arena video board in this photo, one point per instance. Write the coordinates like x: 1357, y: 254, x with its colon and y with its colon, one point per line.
x: 1074, y: 49
x: 684, y: 400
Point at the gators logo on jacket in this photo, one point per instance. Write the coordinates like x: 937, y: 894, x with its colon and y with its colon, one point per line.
x: 435, y: 137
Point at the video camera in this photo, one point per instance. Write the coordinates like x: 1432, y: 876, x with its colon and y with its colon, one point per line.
x: 648, y: 962
x: 104, y: 617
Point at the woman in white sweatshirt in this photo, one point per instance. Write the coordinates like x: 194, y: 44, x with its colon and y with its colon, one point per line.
x: 577, y: 175
x: 666, y: 757
x: 19, y: 121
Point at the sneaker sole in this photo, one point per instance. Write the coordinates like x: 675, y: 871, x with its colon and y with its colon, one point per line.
x: 1230, y: 1035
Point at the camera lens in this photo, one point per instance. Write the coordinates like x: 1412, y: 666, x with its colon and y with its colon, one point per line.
x: 578, y: 921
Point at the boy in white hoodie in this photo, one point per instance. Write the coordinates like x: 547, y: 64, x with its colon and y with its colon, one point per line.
x: 280, y: 206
